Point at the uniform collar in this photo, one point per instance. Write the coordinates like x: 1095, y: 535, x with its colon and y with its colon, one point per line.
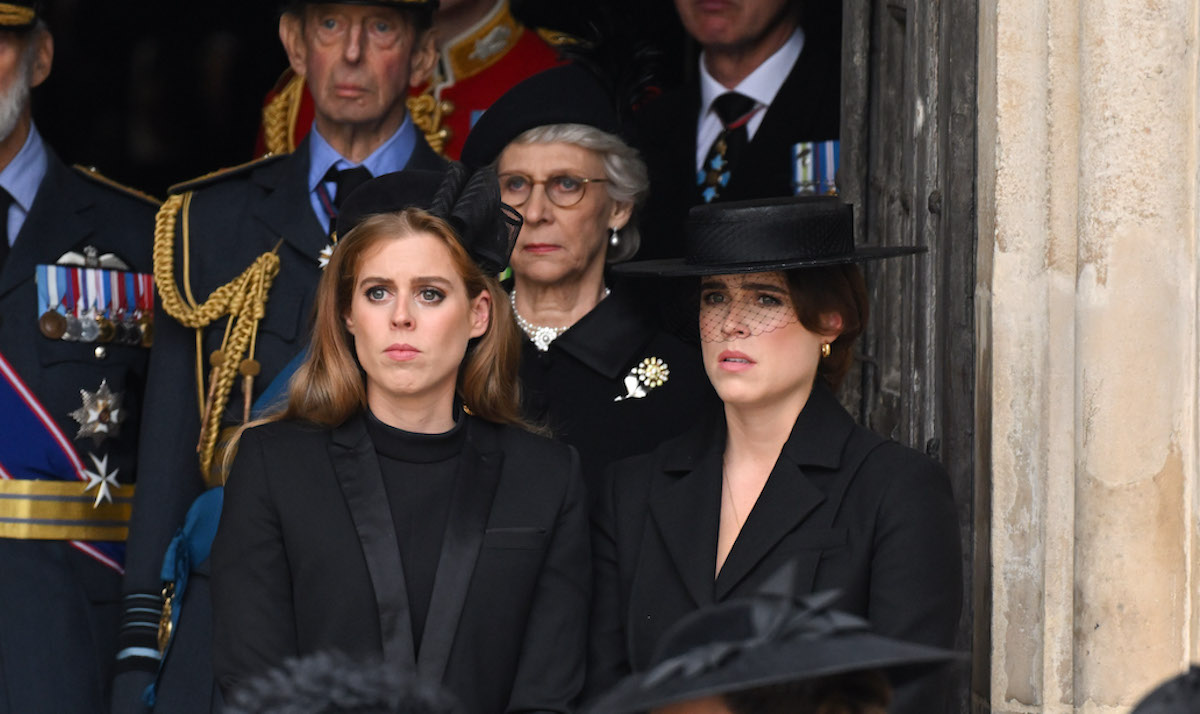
x: 762, y: 84
x: 605, y: 338
x: 479, y: 46
x: 391, y: 156
x: 24, y: 174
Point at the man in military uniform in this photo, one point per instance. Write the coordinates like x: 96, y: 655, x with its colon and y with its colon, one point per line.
x: 238, y: 256
x: 762, y: 110
x: 483, y: 51
x: 76, y: 303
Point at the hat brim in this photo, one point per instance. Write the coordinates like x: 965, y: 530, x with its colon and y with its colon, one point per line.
x: 765, y: 666
x: 680, y: 267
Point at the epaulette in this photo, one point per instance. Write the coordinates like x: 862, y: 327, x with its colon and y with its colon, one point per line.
x: 221, y: 174
x: 554, y: 38
x: 91, y: 173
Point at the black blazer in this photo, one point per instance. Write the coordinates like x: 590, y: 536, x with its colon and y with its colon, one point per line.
x: 61, y: 609
x: 853, y: 511
x: 306, y: 560
x: 807, y: 108
x: 235, y: 216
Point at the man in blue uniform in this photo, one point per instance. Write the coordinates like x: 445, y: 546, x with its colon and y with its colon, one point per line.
x: 76, y: 318
x: 238, y: 257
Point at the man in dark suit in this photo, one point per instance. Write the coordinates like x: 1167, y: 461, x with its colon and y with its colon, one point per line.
x: 253, y: 239
x: 763, y: 90
x: 72, y: 397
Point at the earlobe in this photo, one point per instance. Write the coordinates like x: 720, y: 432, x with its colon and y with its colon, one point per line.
x: 621, y: 213
x: 481, y: 314
x: 832, y: 324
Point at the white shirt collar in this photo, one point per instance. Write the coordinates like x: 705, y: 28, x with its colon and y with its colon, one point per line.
x: 763, y: 83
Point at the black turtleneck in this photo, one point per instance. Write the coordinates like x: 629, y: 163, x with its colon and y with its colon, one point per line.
x: 419, y: 471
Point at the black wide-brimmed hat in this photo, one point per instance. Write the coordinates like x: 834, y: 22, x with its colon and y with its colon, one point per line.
x: 1178, y: 695
x: 764, y: 235
x: 570, y: 94
x: 19, y: 15
x: 431, y: 5
x: 764, y: 640
x: 468, y: 201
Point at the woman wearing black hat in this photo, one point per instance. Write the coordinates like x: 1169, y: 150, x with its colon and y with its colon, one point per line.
x: 784, y: 474
x: 397, y: 507
x: 596, y: 367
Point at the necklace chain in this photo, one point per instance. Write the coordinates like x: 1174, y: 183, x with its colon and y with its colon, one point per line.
x: 540, y: 335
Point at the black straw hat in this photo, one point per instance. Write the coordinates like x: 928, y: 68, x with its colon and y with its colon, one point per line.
x: 19, y: 15
x: 764, y: 235
x: 767, y: 639
x: 570, y: 94
x: 469, y: 202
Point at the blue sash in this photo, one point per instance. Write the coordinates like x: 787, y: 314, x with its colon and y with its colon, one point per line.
x: 50, y: 502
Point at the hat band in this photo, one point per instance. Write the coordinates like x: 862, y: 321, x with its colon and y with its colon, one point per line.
x: 13, y: 15
x: 825, y: 238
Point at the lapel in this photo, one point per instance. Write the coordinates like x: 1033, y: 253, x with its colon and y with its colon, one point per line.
x: 478, y: 476
x: 789, y: 498
x: 805, y: 109
x: 425, y: 158
x: 55, y: 224
x: 357, y: 470
x: 686, y: 504
x: 286, y: 210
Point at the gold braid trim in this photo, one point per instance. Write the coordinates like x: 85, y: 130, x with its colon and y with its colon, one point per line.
x: 279, y: 117
x: 11, y: 15
x: 243, y: 299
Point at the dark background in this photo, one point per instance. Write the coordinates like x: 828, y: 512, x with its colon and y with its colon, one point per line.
x: 153, y: 92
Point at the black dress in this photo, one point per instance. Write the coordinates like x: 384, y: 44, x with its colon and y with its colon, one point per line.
x: 586, y: 387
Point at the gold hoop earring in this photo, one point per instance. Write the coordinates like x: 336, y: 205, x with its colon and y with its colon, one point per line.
x: 825, y: 349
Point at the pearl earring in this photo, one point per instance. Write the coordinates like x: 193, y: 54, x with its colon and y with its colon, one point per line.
x: 614, y: 238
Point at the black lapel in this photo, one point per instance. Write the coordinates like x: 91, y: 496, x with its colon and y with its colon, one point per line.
x: 807, y: 108
x: 286, y: 210
x: 478, y: 475
x: 54, y: 225
x: 686, y: 507
x: 817, y: 441
x: 357, y: 469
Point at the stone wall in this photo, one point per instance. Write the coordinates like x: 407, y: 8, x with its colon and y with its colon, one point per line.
x: 1087, y: 326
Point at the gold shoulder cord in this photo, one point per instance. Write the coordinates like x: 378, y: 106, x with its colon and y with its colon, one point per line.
x: 279, y: 117
x: 243, y: 300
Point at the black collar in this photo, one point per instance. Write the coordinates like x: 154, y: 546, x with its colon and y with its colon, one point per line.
x: 605, y: 338
x: 818, y: 437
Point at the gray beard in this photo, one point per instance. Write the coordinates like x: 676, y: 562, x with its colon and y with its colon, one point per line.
x: 14, y: 101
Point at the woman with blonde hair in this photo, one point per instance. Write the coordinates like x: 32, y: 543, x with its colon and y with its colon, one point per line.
x: 398, y: 507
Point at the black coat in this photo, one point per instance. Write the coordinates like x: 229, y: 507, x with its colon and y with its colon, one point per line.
x: 807, y: 108
x: 573, y: 386
x: 235, y: 216
x: 60, y: 608
x: 853, y: 511
x: 306, y: 559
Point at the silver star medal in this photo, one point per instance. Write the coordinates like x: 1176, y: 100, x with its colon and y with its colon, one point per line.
x: 649, y: 374
x: 325, y: 256
x: 101, y: 478
x: 101, y: 415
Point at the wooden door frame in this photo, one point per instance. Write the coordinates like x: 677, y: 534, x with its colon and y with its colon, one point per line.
x: 911, y: 176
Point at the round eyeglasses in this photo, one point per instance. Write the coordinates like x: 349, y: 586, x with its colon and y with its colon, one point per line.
x: 563, y: 190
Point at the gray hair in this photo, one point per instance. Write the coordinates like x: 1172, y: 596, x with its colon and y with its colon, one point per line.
x: 628, y: 179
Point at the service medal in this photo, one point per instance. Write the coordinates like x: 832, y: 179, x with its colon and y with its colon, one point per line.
x: 89, y: 328
x: 74, y: 329
x: 52, y: 324
x: 107, y: 330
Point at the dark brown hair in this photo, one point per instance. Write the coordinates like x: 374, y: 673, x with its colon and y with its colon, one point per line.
x: 833, y: 288
x: 864, y: 692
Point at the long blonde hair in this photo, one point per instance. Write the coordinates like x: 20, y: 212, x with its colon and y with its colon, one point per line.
x: 329, y: 385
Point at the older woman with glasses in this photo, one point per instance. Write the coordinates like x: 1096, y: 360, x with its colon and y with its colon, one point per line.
x: 596, y: 368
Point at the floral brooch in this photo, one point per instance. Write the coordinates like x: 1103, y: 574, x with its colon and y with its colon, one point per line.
x: 649, y: 374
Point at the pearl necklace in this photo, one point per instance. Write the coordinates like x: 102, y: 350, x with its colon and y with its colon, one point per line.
x: 541, y: 336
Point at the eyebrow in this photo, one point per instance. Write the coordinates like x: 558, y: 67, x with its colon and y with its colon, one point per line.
x: 769, y: 287
x: 377, y: 280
